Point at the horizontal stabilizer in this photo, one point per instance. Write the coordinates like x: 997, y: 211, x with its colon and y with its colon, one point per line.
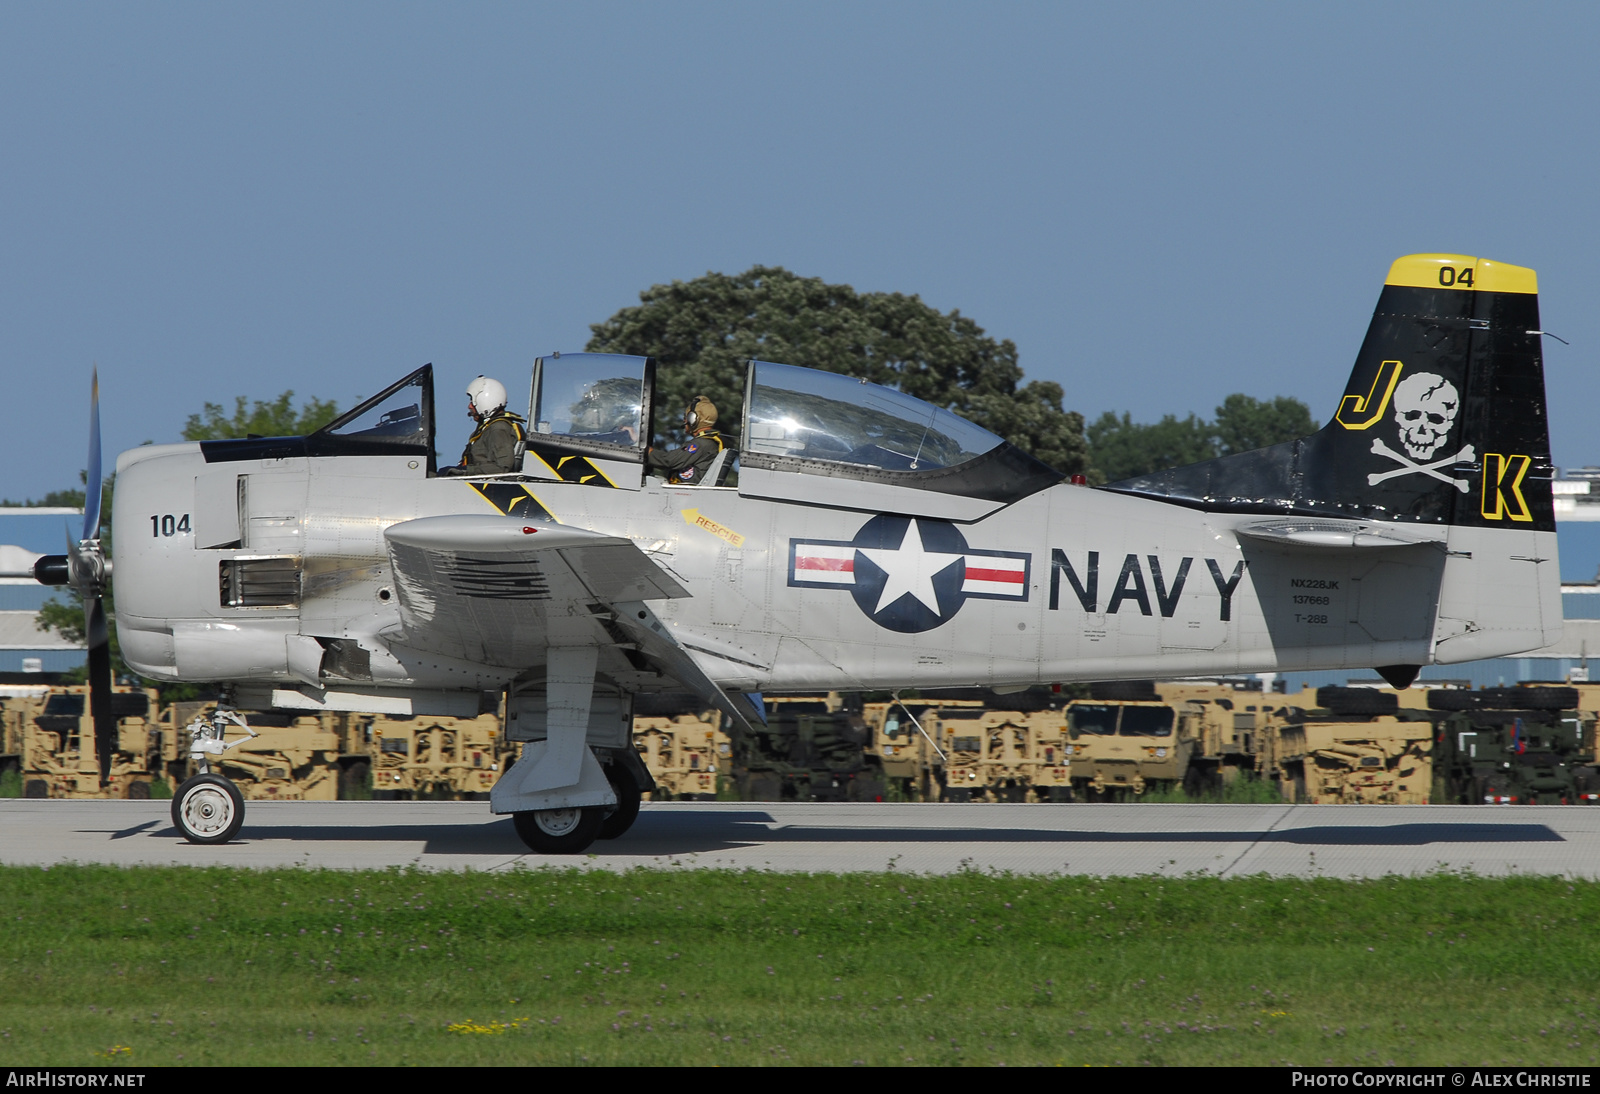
x: 1334, y: 534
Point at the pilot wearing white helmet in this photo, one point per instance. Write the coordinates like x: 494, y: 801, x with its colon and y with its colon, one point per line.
x: 495, y: 447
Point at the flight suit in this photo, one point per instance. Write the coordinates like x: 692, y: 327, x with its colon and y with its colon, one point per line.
x: 493, y: 447
x: 687, y: 466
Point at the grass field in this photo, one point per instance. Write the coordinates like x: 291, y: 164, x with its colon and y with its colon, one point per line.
x: 193, y: 966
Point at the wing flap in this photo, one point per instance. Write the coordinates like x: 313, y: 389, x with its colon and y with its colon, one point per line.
x: 495, y: 590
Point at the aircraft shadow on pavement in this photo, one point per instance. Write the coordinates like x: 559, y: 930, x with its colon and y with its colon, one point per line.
x: 682, y: 832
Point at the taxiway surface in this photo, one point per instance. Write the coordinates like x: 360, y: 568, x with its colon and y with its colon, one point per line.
x: 1229, y: 840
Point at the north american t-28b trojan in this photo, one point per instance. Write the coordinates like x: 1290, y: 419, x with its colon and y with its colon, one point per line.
x: 872, y: 542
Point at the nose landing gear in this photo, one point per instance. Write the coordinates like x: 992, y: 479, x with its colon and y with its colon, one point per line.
x: 208, y: 809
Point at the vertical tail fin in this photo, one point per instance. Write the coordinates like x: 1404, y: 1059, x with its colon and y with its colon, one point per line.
x: 1443, y: 420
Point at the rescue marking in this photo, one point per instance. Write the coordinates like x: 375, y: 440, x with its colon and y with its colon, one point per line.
x: 693, y: 517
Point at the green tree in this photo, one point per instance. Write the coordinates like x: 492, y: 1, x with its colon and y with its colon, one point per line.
x: 1120, y: 448
x: 704, y: 331
x: 278, y: 418
x: 1244, y: 424
x: 55, y: 499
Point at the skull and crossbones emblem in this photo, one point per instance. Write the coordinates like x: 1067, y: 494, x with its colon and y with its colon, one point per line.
x: 1425, y: 410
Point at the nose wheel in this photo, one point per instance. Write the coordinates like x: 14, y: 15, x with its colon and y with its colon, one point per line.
x: 208, y: 809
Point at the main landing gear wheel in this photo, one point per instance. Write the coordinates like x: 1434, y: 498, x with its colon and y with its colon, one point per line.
x: 559, y: 831
x: 621, y: 816
x: 208, y: 809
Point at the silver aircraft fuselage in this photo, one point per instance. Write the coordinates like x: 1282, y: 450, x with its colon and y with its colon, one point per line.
x: 1070, y: 583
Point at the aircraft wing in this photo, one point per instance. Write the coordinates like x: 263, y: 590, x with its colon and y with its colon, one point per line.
x: 500, y: 590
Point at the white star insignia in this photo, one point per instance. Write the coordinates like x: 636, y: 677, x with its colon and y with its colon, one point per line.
x: 909, y: 568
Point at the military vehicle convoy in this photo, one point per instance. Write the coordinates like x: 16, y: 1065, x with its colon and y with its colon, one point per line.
x: 48, y: 739
x: 1528, y: 744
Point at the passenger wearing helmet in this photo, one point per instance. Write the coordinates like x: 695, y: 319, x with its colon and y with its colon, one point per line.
x: 688, y: 466
x: 495, y: 447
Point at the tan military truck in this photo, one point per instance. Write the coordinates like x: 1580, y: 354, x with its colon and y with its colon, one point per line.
x: 1356, y: 747
x: 1004, y: 755
x: 967, y: 751
x: 685, y: 754
x: 1233, y: 729
x: 1122, y: 748
x: 439, y: 758
x: 52, y: 734
x: 1220, y: 734
x: 913, y: 763
x: 16, y: 703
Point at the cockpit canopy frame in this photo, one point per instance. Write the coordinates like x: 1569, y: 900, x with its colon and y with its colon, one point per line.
x: 804, y: 434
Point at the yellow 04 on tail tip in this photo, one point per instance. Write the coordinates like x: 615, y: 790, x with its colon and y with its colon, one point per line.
x: 1461, y: 272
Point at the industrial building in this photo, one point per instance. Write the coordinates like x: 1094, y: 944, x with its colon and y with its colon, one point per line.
x: 25, y: 534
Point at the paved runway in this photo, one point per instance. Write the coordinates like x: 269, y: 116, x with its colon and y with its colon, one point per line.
x: 1227, y: 840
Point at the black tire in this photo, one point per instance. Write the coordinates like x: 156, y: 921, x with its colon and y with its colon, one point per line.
x: 1357, y: 701
x: 1504, y: 699
x: 559, y: 831
x: 208, y: 809
x: 620, y: 818
x: 1452, y: 699
x: 139, y: 791
x: 1124, y: 691
x: 1543, y: 698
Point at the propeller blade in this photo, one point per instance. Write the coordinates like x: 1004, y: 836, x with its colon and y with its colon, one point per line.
x: 91, y: 487
x: 105, y: 726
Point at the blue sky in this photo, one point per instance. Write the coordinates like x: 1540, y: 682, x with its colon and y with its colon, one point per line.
x: 1160, y: 203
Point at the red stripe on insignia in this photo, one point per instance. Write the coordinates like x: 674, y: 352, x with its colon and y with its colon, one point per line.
x: 1010, y: 576
x: 814, y: 562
